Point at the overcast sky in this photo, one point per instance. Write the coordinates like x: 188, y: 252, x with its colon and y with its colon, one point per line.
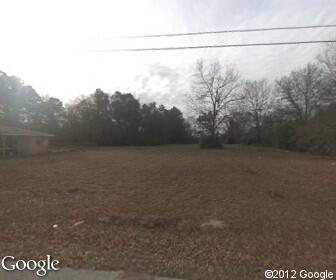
x: 53, y: 45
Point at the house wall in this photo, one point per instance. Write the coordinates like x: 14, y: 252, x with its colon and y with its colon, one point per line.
x: 30, y: 145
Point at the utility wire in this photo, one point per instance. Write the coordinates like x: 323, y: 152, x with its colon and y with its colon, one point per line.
x: 217, y: 46
x: 226, y: 31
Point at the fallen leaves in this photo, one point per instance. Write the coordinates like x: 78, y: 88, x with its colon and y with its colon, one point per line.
x: 172, y: 210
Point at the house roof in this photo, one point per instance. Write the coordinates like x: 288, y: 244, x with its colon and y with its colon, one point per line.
x: 14, y: 131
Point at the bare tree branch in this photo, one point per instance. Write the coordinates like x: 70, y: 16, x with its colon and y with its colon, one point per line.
x: 215, y: 89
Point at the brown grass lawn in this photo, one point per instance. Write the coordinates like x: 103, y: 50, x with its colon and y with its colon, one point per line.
x: 142, y: 209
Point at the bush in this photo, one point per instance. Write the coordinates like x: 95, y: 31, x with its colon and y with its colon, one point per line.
x: 210, y: 142
x: 318, y: 136
x: 285, y: 135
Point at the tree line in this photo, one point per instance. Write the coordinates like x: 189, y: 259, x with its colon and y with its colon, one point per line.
x: 120, y: 119
x: 101, y: 118
x: 297, y: 111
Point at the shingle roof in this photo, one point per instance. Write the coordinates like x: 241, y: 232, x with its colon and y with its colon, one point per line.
x: 14, y: 131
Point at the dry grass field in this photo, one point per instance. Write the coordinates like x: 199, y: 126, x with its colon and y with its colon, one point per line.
x: 141, y: 208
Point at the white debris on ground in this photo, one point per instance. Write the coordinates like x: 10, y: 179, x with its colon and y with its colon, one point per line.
x: 213, y: 224
x: 77, y: 223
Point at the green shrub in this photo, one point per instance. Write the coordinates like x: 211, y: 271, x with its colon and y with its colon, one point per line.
x: 210, y: 142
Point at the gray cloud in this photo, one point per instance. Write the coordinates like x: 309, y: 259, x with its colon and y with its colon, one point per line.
x: 162, y: 84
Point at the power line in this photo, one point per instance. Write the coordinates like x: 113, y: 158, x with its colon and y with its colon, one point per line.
x: 217, y: 46
x: 227, y: 31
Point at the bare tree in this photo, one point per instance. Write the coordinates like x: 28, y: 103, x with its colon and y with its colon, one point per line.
x: 327, y: 61
x: 302, y: 91
x: 214, y: 90
x: 257, y: 102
